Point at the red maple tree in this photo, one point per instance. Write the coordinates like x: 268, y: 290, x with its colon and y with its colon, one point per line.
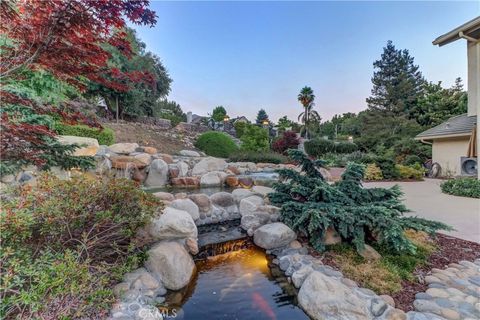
x: 63, y: 37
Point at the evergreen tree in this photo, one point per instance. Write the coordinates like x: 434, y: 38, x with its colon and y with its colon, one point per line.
x: 219, y: 113
x: 397, y: 82
x: 261, y: 116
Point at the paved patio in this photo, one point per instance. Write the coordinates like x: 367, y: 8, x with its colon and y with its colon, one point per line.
x: 426, y: 200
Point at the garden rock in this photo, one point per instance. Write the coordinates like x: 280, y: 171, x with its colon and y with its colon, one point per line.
x: 189, y: 153
x: 250, y: 204
x: 202, y: 201
x: 368, y: 253
x: 158, y: 174
x: 187, y: 205
x: 88, y: 146
x: 254, y: 221
x: 171, y: 264
x: 239, y: 194
x: 273, y: 235
x: 323, y: 297
x: 262, y: 190
x: 165, y: 196
x: 144, y: 158
x: 123, y: 148
x: 173, y: 224
x: 222, y: 199
x: 211, y: 179
x: 331, y: 237
x: 209, y: 164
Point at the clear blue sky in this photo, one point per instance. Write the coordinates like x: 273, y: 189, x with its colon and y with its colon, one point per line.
x: 251, y: 55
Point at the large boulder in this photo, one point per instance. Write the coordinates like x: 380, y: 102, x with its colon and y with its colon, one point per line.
x: 189, y: 153
x: 182, y: 168
x: 254, y: 221
x: 123, y: 148
x: 202, y: 201
x: 158, y: 174
x: 222, y: 199
x: 187, y: 205
x: 164, y: 196
x: 123, y: 162
x: 262, y: 190
x: 209, y: 164
x: 211, y: 179
x: 88, y: 146
x: 323, y: 297
x: 173, y: 224
x: 144, y: 158
x: 273, y: 235
x: 186, y: 182
x: 171, y: 264
x: 239, y: 194
x: 250, y: 204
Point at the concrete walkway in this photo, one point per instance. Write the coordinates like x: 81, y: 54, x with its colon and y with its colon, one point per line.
x: 426, y: 200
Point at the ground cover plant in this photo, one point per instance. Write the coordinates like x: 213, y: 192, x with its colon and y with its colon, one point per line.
x: 65, y: 243
x: 310, y: 206
x: 384, y: 276
x: 464, y: 187
x: 216, y: 144
x: 256, y: 157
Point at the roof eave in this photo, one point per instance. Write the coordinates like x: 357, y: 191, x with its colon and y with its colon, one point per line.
x: 454, y: 34
x: 439, y: 136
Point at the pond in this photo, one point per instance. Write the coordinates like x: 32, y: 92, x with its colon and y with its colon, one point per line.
x: 236, y: 285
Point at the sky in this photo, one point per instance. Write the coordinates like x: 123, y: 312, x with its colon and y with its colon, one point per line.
x: 251, y: 55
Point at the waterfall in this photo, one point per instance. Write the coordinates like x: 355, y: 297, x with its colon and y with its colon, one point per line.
x: 215, y: 249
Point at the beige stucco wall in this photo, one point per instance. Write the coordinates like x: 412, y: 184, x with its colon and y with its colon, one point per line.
x: 447, y: 153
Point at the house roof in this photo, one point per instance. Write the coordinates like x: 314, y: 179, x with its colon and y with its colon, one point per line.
x: 470, y: 29
x: 457, y: 126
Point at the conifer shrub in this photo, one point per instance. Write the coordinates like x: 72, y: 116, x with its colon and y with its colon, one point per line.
x: 310, y: 205
x: 372, y: 172
x: 464, y: 187
x: 216, y: 144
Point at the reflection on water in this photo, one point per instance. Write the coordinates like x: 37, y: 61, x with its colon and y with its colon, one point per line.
x: 237, y: 285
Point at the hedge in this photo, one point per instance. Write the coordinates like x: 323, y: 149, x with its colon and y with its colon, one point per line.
x: 216, y: 144
x: 104, y: 136
x: 256, y: 157
x: 318, y: 147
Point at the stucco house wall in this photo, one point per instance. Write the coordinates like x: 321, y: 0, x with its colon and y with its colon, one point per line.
x: 447, y: 153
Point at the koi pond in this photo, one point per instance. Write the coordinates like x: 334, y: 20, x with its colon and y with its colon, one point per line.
x: 240, y: 284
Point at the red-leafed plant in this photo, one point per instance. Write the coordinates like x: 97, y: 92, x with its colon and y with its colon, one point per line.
x: 288, y: 140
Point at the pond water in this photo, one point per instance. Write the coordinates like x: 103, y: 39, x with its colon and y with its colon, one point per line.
x: 236, y: 285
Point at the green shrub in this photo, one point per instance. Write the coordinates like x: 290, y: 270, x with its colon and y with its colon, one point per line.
x: 415, y: 172
x: 254, y: 156
x: 318, y: 147
x: 412, y: 159
x: 254, y: 138
x: 67, y: 242
x: 372, y: 172
x: 104, y: 136
x: 464, y: 187
x: 387, y: 165
x: 361, y: 157
x: 240, y: 128
x: 216, y: 144
x: 345, y: 147
x: 310, y: 205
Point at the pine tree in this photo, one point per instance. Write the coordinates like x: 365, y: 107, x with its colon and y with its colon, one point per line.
x: 397, y: 82
x: 310, y: 205
x: 261, y: 116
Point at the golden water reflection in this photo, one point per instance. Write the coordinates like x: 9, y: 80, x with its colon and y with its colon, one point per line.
x: 237, y: 285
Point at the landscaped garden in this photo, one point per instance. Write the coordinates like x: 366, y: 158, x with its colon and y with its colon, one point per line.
x: 117, y: 205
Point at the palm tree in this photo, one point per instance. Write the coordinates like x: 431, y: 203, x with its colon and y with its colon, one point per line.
x: 306, y: 98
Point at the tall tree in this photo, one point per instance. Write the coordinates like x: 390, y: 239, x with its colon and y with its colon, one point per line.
x: 397, y: 82
x: 308, y: 116
x: 219, y: 113
x: 152, y: 83
x: 261, y: 116
x: 438, y: 103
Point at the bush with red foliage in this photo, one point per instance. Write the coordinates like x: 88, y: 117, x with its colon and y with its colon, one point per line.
x: 288, y: 140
